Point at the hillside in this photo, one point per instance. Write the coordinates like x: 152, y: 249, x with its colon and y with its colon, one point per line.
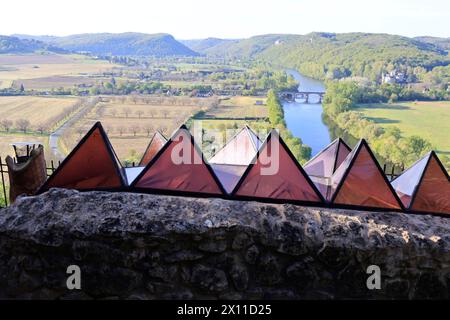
x: 443, y: 43
x: 208, y: 45
x: 15, y: 45
x: 139, y: 44
x: 319, y: 55
x: 244, y: 48
x: 337, y: 55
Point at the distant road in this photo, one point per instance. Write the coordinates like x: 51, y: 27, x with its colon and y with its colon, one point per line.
x: 55, y: 135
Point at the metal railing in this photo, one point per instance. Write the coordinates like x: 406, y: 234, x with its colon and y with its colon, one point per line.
x: 393, y: 171
x: 3, y: 179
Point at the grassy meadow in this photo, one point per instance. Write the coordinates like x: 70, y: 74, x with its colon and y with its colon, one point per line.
x: 430, y: 120
x: 239, y: 107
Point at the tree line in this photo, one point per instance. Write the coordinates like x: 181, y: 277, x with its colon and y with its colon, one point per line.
x: 255, y: 81
x: 42, y: 127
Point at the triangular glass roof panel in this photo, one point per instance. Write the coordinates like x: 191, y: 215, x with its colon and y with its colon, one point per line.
x: 275, y: 174
x: 360, y: 182
x: 425, y: 186
x: 92, y: 164
x: 179, y: 167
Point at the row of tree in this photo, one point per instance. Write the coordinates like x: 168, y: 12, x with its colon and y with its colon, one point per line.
x: 20, y: 125
x: 128, y: 112
x: 160, y: 100
x: 42, y: 127
x: 132, y: 129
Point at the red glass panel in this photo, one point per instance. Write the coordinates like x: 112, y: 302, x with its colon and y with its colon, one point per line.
x: 88, y: 167
x: 433, y: 193
x: 285, y: 182
x: 365, y: 185
x: 169, y: 173
x: 155, y: 145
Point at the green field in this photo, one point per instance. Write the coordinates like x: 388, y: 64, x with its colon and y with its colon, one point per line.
x: 429, y: 120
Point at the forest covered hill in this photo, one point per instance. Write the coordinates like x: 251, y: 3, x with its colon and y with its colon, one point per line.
x: 16, y: 45
x: 331, y: 55
x: 119, y: 44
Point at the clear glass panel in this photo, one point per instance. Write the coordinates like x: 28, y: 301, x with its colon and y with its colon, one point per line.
x: 238, y: 151
x: 132, y: 173
x: 322, y: 165
x: 256, y: 141
x: 228, y: 175
x: 407, y: 182
x: 339, y: 173
x: 322, y: 184
x: 343, y: 152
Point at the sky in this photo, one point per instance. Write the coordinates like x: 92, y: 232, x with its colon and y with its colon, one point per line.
x: 196, y: 19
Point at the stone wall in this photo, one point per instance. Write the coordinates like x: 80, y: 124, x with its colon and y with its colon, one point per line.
x: 147, y: 246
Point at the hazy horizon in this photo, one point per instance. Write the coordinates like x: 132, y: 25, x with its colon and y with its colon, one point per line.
x: 212, y: 36
x: 232, y: 19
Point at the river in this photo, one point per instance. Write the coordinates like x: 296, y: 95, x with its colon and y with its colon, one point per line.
x: 304, y: 120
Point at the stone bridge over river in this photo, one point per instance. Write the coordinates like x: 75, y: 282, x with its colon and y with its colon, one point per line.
x: 295, y: 95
